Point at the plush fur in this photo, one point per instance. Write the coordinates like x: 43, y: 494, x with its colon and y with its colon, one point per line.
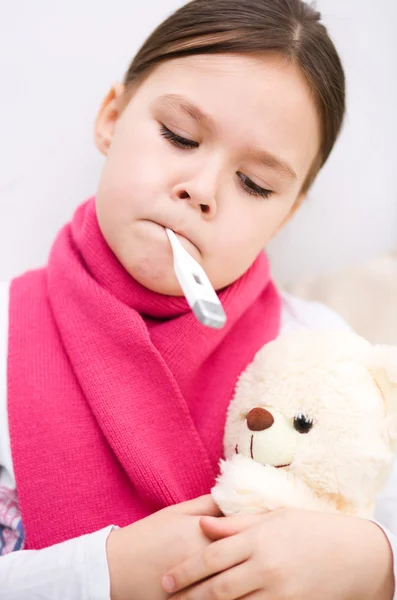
x: 330, y: 439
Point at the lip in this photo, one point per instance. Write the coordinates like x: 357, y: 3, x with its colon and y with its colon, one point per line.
x: 182, y: 237
x: 180, y: 233
x: 252, y: 455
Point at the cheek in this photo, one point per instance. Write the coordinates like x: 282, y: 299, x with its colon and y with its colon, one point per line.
x: 244, y: 231
x: 135, y: 172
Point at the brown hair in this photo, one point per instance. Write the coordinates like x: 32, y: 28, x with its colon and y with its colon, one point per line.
x: 288, y: 27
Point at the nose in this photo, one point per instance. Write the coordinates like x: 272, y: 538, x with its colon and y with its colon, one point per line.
x: 203, y: 202
x: 200, y: 183
x: 259, y: 419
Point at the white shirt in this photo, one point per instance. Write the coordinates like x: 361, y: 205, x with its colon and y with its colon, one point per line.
x: 77, y: 569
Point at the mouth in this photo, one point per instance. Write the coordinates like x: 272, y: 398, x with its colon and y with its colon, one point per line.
x: 252, y: 455
x: 185, y: 239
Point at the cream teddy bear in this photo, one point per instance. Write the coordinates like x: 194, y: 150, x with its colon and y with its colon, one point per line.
x: 313, y: 425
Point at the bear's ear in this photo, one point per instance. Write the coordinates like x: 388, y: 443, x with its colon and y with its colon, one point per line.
x: 384, y: 371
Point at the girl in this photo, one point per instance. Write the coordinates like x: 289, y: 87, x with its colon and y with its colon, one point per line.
x: 116, y: 395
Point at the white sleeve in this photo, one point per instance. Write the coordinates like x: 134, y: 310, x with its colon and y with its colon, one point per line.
x: 74, y: 570
x: 305, y: 314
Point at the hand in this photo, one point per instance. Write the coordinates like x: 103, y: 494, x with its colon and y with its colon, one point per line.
x: 138, y: 555
x: 287, y: 554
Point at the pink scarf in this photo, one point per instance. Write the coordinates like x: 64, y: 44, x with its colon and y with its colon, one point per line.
x: 117, y: 395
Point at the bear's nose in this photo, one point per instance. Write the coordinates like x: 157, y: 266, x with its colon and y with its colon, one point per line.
x: 259, y: 419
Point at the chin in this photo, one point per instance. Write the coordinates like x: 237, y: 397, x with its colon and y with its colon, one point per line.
x: 155, y: 278
x: 148, y: 262
x: 160, y: 286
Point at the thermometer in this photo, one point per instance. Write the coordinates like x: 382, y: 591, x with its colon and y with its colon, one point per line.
x: 196, y: 286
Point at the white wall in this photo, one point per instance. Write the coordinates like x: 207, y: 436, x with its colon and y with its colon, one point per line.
x: 57, y: 60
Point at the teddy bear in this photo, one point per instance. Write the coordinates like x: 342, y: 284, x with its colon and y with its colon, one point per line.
x: 312, y: 425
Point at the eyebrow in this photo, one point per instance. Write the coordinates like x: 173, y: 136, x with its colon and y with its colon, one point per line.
x: 176, y: 101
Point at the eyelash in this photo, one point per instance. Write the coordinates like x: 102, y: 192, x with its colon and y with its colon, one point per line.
x: 253, y: 189
x: 180, y: 142
x: 177, y: 140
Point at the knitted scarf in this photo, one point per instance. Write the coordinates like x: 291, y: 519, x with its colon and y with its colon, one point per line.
x: 117, y: 395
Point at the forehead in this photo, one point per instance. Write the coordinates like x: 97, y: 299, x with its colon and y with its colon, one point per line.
x: 262, y: 101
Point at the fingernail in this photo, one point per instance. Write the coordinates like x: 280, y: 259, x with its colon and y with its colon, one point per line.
x: 168, y: 583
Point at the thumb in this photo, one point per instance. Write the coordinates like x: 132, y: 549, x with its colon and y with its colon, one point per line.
x: 218, y: 528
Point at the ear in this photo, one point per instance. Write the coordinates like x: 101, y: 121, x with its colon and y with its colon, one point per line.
x: 107, y: 117
x: 384, y: 371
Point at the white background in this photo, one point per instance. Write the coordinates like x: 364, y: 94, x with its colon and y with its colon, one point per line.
x: 57, y: 60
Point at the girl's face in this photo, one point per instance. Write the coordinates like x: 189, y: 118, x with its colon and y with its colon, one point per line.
x: 216, y: 148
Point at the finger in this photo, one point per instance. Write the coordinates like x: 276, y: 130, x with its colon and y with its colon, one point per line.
x: 216, y: 558
x: 203, y: 505
x: 216, y: 529
x: 238, y: 582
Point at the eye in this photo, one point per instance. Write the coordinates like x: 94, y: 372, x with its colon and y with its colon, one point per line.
x: 177, y: 140
x: 252, y: 188
x: 302, y: 423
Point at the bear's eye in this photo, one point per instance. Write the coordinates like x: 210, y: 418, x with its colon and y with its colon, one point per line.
x: 302, y: 423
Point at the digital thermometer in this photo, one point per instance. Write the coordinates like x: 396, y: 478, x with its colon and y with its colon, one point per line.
x: 196, y: 286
